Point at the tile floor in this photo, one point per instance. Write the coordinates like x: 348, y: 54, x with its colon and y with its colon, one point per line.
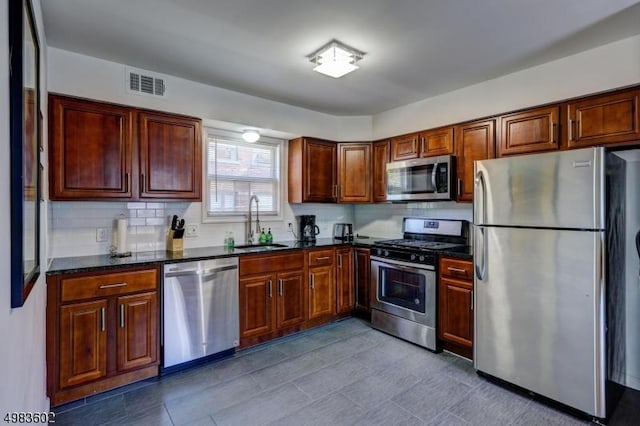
x: 344, y: 373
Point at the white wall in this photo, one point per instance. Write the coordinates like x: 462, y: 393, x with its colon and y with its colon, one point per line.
x: 79, y: 75
x: 22, y: 330
x: 607, y: 67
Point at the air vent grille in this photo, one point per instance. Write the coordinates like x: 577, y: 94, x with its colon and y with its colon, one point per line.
x: 145, y: 83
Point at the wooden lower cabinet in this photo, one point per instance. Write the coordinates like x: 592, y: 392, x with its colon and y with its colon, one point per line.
x: 102, y: 331
x: 345, y: 296
x: 322, y: 298
x: 455, y: 306
x: 272, y: 296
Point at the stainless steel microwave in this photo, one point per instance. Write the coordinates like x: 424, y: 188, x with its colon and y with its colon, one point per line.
x: 422, y: 179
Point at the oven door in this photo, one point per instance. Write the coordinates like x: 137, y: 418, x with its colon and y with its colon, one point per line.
x: 404, y: 289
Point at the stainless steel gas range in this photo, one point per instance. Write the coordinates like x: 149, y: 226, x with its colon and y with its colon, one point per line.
x: 403, y: 278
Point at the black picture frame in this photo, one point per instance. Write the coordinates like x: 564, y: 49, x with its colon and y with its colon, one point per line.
x: 25, y: 140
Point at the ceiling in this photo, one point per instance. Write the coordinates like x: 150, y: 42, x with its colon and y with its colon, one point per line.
x: 415, y: 49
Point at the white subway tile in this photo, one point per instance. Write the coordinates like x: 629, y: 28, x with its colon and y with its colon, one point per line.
x: 155, y: 221
x: 146, y: 213
x: 155, y: 205
x: 136, y: 205
x: 160, y: 213
x: 137, y: 221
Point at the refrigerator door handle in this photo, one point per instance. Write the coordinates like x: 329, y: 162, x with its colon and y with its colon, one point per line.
x: 482, y: 192
x: 482, y: 259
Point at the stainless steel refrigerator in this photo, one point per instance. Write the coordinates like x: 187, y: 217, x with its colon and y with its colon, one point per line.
x: 539, y: 305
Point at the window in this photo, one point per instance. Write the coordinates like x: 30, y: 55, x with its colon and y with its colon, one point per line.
x: 236, y: 170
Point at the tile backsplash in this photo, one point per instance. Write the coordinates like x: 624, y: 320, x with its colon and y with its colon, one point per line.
x: 74, y: 225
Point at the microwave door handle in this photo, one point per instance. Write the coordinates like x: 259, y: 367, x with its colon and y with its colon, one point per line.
x: 434, y: 183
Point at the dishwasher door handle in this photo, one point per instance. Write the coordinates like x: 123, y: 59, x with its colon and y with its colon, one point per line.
x: 196, y: 272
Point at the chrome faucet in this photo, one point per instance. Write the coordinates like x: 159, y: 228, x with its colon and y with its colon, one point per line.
x: 250, y: 233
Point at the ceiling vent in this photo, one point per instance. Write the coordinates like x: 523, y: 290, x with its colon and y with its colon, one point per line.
x: 145, y: 83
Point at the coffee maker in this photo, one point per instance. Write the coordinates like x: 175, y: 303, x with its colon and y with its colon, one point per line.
x: 307, y: 228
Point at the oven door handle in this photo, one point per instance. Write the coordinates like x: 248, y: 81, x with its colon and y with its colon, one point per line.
x: 402, y: 265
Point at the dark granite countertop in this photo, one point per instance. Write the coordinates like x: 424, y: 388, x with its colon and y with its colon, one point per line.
x: 63, y: 265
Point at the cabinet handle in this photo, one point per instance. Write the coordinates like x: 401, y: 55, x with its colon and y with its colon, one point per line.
x: 127, y: 183
x: 472, y: 300
x: 340, y: 261
x: 322, y: 258
x: 142, y: 183
x: 280, y: 287
x: 103, y: 286
x: 122, y: 316
x: 458, y: 270
x: 459, y: 186
x: 312, y: 283
x: 102, y: 319
x: 335, y: 191
x: 270, y: 289
x: 554, y: 131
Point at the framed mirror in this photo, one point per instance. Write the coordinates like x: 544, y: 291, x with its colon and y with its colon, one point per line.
x: 24, y: 101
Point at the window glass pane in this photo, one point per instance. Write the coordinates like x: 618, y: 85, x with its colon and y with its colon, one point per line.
x: 237, y: 170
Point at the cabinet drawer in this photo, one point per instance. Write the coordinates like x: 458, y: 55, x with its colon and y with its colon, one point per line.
x: 456, y: 268
x: 321, y: 258
x: 108, y: 284
x: 261, y: 264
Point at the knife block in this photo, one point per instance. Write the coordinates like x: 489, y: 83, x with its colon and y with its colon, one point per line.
x: 174, y: 244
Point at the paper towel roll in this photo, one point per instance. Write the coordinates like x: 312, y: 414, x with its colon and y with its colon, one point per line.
x: 122, y: 236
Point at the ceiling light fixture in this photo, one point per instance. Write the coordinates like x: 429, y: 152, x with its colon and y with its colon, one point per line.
x: 335, y: 59
x: 251, y: 135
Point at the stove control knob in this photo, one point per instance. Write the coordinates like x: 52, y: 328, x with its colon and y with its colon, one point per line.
x: 421, y: 258
x: 386, y: 252
x: 379, y: 252
x: 413, y: 257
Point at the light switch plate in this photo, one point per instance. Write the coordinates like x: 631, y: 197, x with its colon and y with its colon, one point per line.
x: 101, y: 235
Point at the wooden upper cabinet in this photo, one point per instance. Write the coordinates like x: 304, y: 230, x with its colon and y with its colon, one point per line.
x: 312, y: 171
x: 436, y: 142
x: 380, y: 158
x: 354, y: 172
x: 405, y: 147
x: 101, y: 151
x: 170, y: 156
x: 474, y: 141
x: 530, y: 131
x: 604, y: 119
x: 90, y: 146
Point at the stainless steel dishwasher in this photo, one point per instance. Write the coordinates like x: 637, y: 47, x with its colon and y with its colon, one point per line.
x: 200, y: 315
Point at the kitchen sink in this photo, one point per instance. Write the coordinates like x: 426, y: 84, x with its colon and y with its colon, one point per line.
x: 260, y: 247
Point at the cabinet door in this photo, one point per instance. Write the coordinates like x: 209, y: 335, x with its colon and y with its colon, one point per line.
x: 474, y: 141
x: 170, y: 157
x: 256, y: 305
x: 604, y: 119
x: 436, y: 142
x: 404, y: 147
x: 83, y: 342
x: 89, y: 150
x: 456, y: 311
x: 354, y: 172
x: 363, y: 284
x: 381, y: 151
x: 530, y: 131
x: 344, y: 280
x: 290, y: 306
x: 320, y: 183
x: 322, y: 299
x: 137, y: 335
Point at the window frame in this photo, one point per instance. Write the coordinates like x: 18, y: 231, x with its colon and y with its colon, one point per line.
x: 240, y: 217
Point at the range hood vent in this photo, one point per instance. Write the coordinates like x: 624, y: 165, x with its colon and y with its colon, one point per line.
x: 145, y: 83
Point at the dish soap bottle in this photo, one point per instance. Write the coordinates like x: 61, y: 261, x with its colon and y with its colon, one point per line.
x: 269, y: 237
x: 263, y: 237
x: 230, y: 241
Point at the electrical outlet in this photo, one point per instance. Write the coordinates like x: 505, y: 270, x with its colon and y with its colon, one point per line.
x: 101, y: 235
x: 290, y: 225
x: 191, y: 230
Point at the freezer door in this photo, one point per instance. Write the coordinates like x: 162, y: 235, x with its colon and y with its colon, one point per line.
x: 552, y: 190
x: 539, y: 312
